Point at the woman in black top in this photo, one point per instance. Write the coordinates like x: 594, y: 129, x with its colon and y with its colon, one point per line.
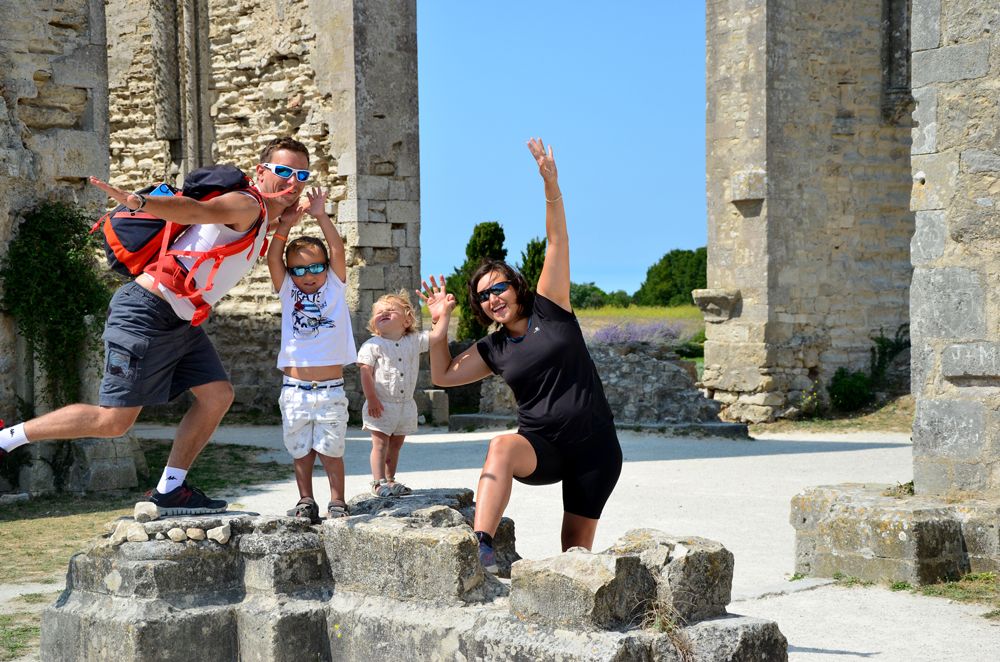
x: 565, y: 427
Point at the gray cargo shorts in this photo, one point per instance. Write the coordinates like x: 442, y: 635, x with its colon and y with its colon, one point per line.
x: 150, y: 355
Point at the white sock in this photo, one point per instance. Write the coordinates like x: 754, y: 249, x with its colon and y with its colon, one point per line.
x: 13, y: 437
x: 171, y: 479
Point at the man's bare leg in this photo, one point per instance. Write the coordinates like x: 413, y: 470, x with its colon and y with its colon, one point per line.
x: 211, y: 403
x: 80, y: 421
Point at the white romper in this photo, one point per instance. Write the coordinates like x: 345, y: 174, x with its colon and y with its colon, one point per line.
x: 396, y: 364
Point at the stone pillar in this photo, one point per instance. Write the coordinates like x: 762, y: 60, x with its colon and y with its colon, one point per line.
x: 808, y: 184
x: 955, y: 315
x: 369, y: 52
x: 53, y: 130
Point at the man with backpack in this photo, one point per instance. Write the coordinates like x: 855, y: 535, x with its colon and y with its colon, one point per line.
x: 154, y: 347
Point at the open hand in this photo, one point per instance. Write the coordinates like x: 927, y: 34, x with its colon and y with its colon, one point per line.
x: 375, y: 408
x: 439, y: 302
x: 120, y: 196
x: 545, y: 159
x: 317, y: 201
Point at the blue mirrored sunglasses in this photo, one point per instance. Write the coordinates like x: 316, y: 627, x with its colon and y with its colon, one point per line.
x: 314, y: 268
x: 497, y: 288
x: 285, y: 172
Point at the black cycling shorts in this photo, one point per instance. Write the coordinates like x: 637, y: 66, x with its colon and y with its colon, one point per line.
x: 588, y: 468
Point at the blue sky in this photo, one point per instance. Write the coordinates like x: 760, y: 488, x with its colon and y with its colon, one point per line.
x: 618, y: 89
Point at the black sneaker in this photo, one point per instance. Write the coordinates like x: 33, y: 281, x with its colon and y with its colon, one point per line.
x: 488, y: 558
x: 186, y: 500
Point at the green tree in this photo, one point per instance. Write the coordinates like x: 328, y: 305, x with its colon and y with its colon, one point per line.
x: 669, y: 282
x: 532, y: 259
x: 486, y: 243
x: 586, y: 295
x: 619, y: 299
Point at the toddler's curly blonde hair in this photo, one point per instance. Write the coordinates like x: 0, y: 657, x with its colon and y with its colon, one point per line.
x: 400, y: 300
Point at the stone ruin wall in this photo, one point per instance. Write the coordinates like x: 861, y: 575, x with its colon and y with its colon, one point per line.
x: 956, y: 193
x: 53, y: 133
x: 808, y: 185
x: 207, y: 81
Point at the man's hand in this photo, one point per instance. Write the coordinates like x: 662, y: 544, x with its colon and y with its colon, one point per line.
x: 118, y: 195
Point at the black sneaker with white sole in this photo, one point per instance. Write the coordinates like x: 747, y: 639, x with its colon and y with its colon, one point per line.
x: 186, y: 500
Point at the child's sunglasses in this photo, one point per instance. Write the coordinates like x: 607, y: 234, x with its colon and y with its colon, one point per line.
x: 285, y: 172
x: 314, y: 268
x: 497, y: 288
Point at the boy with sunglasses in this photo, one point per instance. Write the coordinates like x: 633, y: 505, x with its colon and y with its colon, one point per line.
x: 316, y: 343
x: 154, y: 351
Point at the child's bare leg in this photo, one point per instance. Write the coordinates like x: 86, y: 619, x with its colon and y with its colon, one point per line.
x: 380, y: 451
x: 392, y: 455
x: 334, y: 467
x: 304, y: 473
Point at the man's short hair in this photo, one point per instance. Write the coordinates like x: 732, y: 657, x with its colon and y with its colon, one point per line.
x: 284, y: 142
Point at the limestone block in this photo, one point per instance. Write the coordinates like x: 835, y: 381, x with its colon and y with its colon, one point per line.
x: 749, y: 413
x: 717, y: 305
x: 929, y: 237
x: 146, y: 511
x: 980, y: 160
x: 925, y: 25
x: 270, y: 631
x: 195, y: 533
x: 578, y: 589
x: 405, y: 558
x: 950, y: 63
x: 177, y: 534
x: 402, y: 211
x: 728, y: 639
x: 950, y: 429
x: 68, y: 153
x: 219, y: 534
x: 934, y: 179
x: 973, y: 360
x: 36, y: 477
x: 693, y: 575
x: 85, y: 67
x: 89, y: 627
x: 947, y: 303
x: 135, y: 532
x: 750, y: 184
x: 854, y: 530
x: 378, y: 235
x: 438, y: 399
x: 155, y: 569
x: 283, y: 561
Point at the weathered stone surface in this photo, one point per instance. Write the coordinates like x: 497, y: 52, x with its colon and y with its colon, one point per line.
x: 948, y: 303
x: 219, y: 534
x: 856, y: 531
x: 693, y: 576
x: 195, y: 533
x: 951, y: 63
x: 925, y: 26
x: 925, y: 121
x: 929, y: 238
x: 980, y: 160
x: 581, y: 590
x: 950, y: 429
x: 970, y: 361
x: 727, y: 639
x: 145, y: 511
x: 176, y: 534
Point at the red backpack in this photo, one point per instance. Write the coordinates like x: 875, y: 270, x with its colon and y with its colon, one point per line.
x: 138, y: 242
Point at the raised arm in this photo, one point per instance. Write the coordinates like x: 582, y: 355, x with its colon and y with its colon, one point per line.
x: 234, y: 209
x: 446, y: 371
x: 334, y: 242
x: 553, y: 283
x: 276, y: 250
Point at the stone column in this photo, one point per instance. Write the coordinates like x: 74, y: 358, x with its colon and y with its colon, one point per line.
x: 808, y: 186
x: 367, y: 61
x: 954, y: 297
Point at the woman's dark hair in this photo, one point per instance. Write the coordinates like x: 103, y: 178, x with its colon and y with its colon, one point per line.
x: 299, y: 243
x: 525, y: 297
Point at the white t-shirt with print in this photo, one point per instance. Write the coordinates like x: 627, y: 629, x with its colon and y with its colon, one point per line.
x: 395, y: 363
x: 315, y: 328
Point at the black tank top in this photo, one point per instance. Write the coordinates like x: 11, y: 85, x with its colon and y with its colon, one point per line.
x: 558, y: 391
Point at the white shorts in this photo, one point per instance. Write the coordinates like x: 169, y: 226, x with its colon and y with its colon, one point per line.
x: 313, y: 418
x: 398, y: 418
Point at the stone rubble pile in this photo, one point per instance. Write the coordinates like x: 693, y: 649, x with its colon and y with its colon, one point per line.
x: 399, y: 578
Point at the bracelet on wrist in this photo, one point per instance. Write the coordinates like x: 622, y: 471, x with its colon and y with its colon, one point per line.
x: 142, y: 201
x: 280, y: 236
x: 555, y: 199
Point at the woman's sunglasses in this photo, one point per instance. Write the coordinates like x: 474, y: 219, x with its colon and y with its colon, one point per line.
x: 497, y: 288
x: 314, y: 268
x: 285, y: 172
